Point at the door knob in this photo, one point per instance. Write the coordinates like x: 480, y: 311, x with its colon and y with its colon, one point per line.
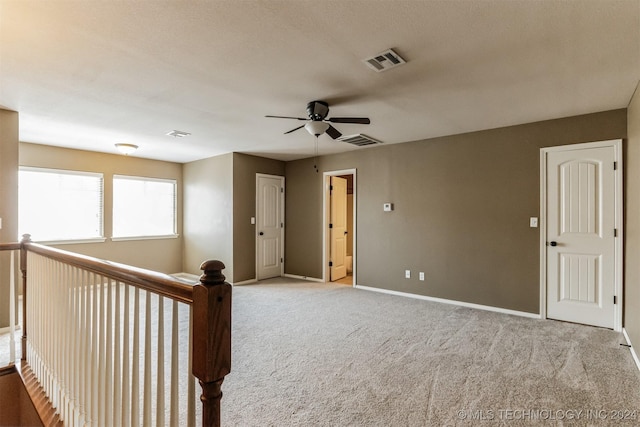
x: 261, y: 233
x: 553, y: 243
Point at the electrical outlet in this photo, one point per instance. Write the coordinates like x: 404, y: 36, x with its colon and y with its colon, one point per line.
x: 533, y: 222
x: 422, y: 275
x: 407, y: 274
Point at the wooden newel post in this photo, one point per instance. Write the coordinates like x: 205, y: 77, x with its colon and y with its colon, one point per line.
x: 211, y: 338
x: 26, y: 238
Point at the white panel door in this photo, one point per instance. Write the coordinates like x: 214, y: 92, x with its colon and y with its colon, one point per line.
x: 338, y: 228
x: 580, y: 235
x: 269, y: 226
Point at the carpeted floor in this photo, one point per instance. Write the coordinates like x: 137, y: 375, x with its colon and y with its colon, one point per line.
x: 310, y: 354
x: 329, y: 355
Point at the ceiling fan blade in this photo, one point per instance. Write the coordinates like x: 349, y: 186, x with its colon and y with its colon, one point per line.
x: 287, y: 117
x: 293, y: 130
x: 333, y: 132
x: 359, y: 120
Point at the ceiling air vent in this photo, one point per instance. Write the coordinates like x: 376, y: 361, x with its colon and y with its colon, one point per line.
x: 384, y: 61
x: 178, y: 134
x: 360, y: 140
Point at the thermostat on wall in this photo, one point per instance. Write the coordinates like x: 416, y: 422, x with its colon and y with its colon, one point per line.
x: 387, y: 207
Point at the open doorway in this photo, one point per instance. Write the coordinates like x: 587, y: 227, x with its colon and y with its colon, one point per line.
x: 340, y: 227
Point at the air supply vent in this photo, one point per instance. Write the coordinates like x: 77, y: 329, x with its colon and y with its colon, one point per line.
x: 360, y: 140
x: 384, y: 61
x: 178, y: 134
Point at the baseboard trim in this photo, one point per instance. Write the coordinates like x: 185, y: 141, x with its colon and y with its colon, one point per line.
x: 633, y: 352
x: 310, y: 279
x: 244, y: 282
x: 451, y: 302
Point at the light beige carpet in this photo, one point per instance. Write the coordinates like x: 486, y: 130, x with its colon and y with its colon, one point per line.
x: 309, y: 354
x: 329, y: 355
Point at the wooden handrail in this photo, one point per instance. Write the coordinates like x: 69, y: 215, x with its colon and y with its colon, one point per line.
x: 152, y: 281
x: 9, y: 246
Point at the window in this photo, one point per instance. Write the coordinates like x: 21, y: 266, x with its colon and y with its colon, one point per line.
x: 143, y: 207
x: 58, y: 205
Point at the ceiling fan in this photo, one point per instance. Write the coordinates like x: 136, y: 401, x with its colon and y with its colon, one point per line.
x: 318, y: 123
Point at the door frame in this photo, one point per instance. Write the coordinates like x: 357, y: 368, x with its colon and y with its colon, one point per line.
x: 616, y: 144
x: 326, y: 244
x: 255, y: 226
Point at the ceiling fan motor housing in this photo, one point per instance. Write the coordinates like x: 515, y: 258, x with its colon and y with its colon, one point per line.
x: 317, y: 110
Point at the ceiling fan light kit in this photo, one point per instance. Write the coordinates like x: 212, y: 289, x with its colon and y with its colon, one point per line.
x: 316, y: 128
x: 318, y: 122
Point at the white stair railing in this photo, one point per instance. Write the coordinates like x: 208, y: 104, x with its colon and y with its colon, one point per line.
x: 114, y: 345
x: 67, y: 314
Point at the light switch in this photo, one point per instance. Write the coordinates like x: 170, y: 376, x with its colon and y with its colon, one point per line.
x: 0, y: 223
x: 533, y: 222
x: 407, y: 274
x: 253, y: 220
x: 387, y: 207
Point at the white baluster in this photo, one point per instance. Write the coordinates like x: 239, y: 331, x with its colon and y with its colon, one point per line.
x: 46, y: 350
x: 70, y: 352
x: 12, y: 309
x: 160, y: 367
x: 126, y: 383
x: 109, y: 354
x: 32, y: 306
x: 64, y: 344
x: 191, y: 381
x: 57, y: 333
x: 51, y: 331
x: 94, y: 350
x: 117, y: 378
x: 44, y: 337
x: 85, y: 349
x: 175, y: 365
x: 135, y: 363
x: 74, y: 358
x: 146, y: 394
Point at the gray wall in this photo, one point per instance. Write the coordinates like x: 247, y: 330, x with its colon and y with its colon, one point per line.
x: 245, y: 168
x: 632, y: 223
x: 462, y: 208
x: 164, y: 255
x: 8, y: 201
x: 208, y: 213
x: 220, y: 199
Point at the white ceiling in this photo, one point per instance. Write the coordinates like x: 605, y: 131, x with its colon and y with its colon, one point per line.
x: 89, y: 74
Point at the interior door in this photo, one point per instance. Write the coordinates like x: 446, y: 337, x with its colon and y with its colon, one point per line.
x: 580, y: 235
x: 269, y: 225
x: 338, y: 228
